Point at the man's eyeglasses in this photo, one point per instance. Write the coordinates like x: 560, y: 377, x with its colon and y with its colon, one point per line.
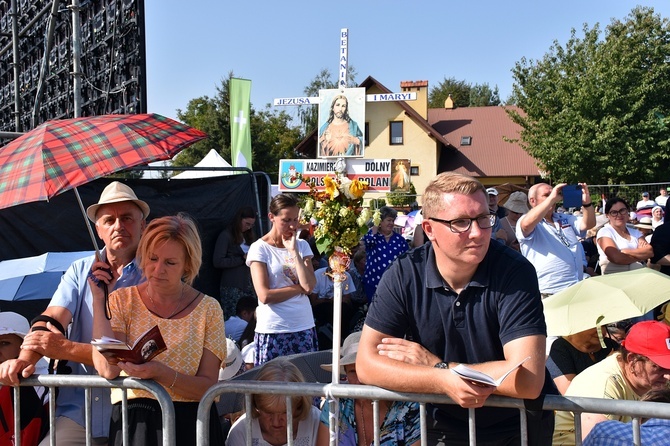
x: 622, y: 212
x: 460, y: 225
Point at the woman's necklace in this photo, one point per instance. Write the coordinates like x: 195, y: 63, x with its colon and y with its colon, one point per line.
x: 623, y: 233
x: 274, y: 239
x: 178, y: 303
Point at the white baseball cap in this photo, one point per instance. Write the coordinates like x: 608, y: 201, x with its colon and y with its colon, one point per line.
x: 13, y: 323
x: 233, y: 361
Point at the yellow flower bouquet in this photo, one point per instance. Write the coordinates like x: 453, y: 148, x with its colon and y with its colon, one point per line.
x: 341, y: 222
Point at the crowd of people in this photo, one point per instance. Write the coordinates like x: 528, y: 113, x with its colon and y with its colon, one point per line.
x: 471, y: 294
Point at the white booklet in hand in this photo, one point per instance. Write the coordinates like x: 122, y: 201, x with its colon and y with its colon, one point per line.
x: 471, y: 374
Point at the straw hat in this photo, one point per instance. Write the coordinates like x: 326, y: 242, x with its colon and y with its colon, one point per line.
x: 517, y: 202
x: 644, y: 223
x: 233, y: 361
x: 116, y: 192
x: 349, y: 350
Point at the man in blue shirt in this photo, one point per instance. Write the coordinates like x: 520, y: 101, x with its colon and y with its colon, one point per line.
x: 653, y: 432
x: 551, y: 240
x: 119, y: 219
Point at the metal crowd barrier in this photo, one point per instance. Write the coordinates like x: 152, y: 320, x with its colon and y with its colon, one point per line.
x: 88, y: 382
x: 634, y: 409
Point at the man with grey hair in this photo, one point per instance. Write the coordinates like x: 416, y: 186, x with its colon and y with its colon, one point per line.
x: 120, y: 218
x: 551, y: 240
x: 467, y: 300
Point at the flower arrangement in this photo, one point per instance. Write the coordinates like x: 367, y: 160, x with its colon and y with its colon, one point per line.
x: 341, y: 222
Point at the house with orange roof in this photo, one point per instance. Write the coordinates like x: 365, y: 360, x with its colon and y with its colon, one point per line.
x: 478, y: 141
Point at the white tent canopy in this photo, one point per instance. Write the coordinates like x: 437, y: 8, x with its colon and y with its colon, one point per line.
x: 212, y: 159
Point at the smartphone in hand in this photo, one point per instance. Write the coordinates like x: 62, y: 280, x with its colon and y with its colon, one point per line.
x: 572, y: 196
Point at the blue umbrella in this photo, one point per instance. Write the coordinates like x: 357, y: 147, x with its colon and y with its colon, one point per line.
x: 36, y: 277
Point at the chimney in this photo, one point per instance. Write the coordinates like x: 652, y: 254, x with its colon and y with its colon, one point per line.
x: 421, y: 89
x: 449, y: 103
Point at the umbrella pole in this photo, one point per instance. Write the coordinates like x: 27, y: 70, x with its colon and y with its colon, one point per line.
x: 88, y: 226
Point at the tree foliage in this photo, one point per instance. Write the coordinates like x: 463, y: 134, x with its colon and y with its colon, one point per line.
x: 596, y: 110
x: 272, y: 135
x: 463, y: 94
x: 402, y: 198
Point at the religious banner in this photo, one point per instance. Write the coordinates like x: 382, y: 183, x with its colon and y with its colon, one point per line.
x: 240, y: 130
x: 377, y: 173
x: 341, y: 123
x: 400, y: 180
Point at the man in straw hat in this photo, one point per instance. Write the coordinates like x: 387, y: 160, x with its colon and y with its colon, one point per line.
x: 465, y: 299
x: 120, y: 218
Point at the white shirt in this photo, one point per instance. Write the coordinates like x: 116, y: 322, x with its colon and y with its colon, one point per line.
x: 620, y: 242
x: 295, y: 313
x: 305, y: 436
x: 645, y: 204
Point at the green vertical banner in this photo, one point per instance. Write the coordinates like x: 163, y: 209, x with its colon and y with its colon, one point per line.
x: 240, y: 131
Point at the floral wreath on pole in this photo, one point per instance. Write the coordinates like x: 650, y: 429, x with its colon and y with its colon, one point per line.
x: 340, y: 219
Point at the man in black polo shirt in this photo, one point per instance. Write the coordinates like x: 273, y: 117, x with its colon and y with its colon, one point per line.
x: 660, y: 241
x: 465, y: 300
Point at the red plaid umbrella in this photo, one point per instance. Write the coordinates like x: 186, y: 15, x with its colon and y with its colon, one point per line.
x: 60, y: 155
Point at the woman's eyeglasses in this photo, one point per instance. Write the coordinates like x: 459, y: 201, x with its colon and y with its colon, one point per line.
x: 620, y: 212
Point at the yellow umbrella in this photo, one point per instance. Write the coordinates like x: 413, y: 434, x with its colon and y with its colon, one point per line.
x: 605, y: 299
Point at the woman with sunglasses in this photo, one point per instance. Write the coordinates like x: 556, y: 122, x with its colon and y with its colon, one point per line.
x: 621, y: 248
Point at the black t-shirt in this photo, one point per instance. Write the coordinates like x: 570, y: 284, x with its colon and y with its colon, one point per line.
x: 564, y: 359
x: 660, y: 241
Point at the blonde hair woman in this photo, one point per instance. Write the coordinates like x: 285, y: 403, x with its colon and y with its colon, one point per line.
x: 191, y: 324
x: 268, y: 412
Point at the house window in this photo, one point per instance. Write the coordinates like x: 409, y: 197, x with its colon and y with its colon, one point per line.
x: 466, y: 140
x: 414, y: 170
x: 396, y: 133
x: 367, y: 132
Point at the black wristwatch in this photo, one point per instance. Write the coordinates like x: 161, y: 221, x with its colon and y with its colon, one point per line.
x: 441, y: 365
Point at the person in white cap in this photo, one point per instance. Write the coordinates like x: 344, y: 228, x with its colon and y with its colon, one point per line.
x: 400, y: 419
x: 120, y: 218
x: 496, y: 233
x: 13, y: 328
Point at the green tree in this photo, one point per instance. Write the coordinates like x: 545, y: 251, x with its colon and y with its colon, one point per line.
x: 272, y: 135
x: 596, y: 109
x: 402, y: 198
x: 482, y: 95
x: 459, y: 91
x: 463, y: 94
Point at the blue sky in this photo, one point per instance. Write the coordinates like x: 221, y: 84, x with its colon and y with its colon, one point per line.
x: 282, y: 46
